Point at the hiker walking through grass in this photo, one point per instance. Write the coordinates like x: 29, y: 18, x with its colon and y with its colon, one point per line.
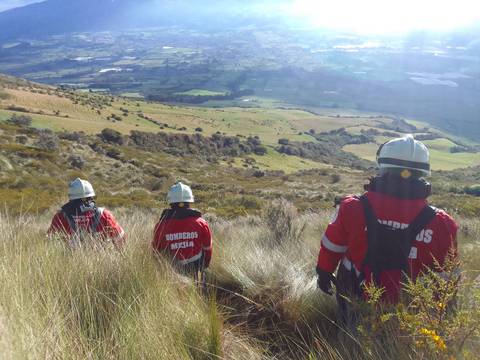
x: 182, y: 233
x: 80, y: 219
x: 387, y: 232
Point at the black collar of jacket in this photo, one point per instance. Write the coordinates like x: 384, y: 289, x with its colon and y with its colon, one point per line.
x: 396, y: 186
x: 76, y: 207
x: 180, y: 214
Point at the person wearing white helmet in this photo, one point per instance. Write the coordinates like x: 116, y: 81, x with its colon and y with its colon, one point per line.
x: 387, y: 232
x: 80, y: 218
x: 182, y: 234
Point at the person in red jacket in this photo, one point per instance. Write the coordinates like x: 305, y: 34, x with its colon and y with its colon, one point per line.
x: 387, y: 232
x: 182, y: 233
x: 80, y: 219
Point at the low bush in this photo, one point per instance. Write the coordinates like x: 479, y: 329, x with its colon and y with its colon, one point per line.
x: 111, y: 136
x: 473, y: 190
x: 76, y: 161
x: 48, y: 141
x: 20, y: 120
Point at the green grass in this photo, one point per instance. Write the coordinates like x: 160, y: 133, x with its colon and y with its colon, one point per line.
x: 268, y: 123
x: 275, y: 161
x: 202, y: 92
x: 443, y: 145
x: 440, y: 159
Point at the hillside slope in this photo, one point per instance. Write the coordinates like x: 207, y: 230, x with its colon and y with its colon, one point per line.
x: 59, y: 17
x: 133, y: 150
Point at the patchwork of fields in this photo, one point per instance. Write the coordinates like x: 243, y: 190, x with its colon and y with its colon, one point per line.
x: 62, y: 110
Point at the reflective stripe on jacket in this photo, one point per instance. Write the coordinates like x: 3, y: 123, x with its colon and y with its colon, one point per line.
x: 99, y: 222
x: 186, y: 238
x: 346, y: 236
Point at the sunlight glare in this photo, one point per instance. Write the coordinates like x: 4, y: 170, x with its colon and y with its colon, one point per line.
x: 387, y: 16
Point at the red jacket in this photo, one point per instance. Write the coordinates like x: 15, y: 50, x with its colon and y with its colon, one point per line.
x: 185, y: 235
x: 105, y: 226
x: 346, y: 236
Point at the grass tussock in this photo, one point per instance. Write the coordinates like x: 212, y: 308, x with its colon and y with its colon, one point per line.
x: 262, y: 303
x: 100, y: 303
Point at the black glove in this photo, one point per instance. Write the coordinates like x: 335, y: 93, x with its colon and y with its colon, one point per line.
x: 325, y: 280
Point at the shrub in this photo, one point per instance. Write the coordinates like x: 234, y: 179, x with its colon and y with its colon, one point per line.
x: 48, y: 141
x: 114, y: 154
x: 20, y: 120
x: 281, y: 218
x: 21, y: 139
x: 76, y: 161
x: 473, y: 190
x: 4, y: 95
x: 335, y: 178
x: 17, y: 108
x: 260, y: 150
x: 111, y: 136
x: 71, y: 136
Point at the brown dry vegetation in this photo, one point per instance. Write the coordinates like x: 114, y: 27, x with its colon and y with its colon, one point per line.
x: 100, y: 304
x: 263, y: 303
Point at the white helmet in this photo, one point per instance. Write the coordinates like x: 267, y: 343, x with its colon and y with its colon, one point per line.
x: 180, y: 193
x: 80, y: 189
x: 404, y: 153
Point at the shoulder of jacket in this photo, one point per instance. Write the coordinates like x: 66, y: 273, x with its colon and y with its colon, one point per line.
x: 59, y: 215
x: 349, y: 201
x: 102, y: 212
x: 202, y: 221
x: 444, y: 217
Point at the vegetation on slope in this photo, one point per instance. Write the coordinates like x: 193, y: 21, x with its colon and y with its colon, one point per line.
x: 263, y: 303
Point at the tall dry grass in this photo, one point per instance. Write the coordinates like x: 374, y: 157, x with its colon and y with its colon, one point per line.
x: 102, y: 304
x: 263, y: 303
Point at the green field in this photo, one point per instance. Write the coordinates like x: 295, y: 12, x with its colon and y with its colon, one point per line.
x: 202, y: 92
x: 441, y: 158
x: 79, y: 111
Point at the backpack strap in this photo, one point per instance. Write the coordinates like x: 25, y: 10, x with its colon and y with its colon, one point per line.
x: 375, y: 228
x: 427, y: 214
x: 71, y: 222
x: 370, y: 217
x: 96, y: 219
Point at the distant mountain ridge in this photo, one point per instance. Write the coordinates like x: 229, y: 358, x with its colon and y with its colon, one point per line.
x: 58, y: 16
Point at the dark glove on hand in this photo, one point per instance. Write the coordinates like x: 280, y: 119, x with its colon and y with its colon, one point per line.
x: 324, y: 281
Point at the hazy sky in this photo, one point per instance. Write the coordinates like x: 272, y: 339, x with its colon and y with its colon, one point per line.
x: 369, y: 16
x: 9, y: 4
x: 389, y: 15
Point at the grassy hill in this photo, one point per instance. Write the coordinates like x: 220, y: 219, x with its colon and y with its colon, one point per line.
x: 58, y: 110
x: 253, y: 155
x: 266, y: 179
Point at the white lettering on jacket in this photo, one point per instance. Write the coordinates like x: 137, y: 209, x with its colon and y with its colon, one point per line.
x: 182, y: 245
x: 426, y: 235
x: 181, y: 236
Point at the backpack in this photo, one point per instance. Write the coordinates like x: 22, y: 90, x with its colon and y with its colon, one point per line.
x: 93, y: 225
x: 388, y: 249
